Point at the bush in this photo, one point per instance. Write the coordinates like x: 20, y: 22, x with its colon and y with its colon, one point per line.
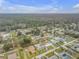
x: 24, y: 41
x: 7, y: 46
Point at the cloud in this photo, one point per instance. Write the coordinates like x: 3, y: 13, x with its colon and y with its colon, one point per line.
x: 1, y: 2
x: 53, y: 7
x: 76, y: 6
x: 7, y: 7
x: 28, y: 9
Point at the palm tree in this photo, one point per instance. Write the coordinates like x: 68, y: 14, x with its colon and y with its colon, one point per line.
x: 5, y: 55
x: 14, y: 39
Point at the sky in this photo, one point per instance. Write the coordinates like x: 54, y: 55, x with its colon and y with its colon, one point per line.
x: 39, y: 6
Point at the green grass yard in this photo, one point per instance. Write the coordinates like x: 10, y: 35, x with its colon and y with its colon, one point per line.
x: 50, y: 54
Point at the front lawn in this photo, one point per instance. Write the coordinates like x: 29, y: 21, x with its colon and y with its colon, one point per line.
x: 50, y: 54
x: 59, y: 50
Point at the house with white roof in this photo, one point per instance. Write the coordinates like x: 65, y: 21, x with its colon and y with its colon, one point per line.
x: 4, y: 35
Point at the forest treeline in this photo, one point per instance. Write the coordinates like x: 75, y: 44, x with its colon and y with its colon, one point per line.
x: 10, y: 22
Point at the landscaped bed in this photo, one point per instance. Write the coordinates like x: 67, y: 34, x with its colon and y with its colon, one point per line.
x: 59, y: 50
x: 42, y: 51
x: 50, y: 54
x: 50, y: 47
x: 69, y: 39
x: 60, y: 43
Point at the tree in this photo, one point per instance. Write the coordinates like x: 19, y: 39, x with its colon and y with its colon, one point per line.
x: 24, y: 40
x: 7, y: 46
x: 1, y: 39
x: 36, y: 31
x: 77, y: 57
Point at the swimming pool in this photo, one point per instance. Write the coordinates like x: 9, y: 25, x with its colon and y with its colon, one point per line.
x: 64, y: 55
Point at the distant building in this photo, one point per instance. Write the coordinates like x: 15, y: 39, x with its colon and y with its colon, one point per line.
x: 5, y: 35
x: 1, y: 56
x: 59, y: 39
x: 12, y: 56
x: 1, y: 48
